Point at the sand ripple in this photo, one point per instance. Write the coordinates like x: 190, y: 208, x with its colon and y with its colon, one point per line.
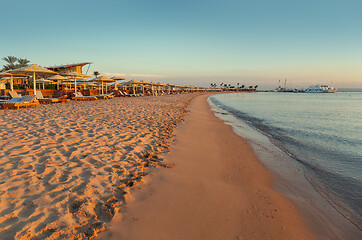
x: 65, y: 169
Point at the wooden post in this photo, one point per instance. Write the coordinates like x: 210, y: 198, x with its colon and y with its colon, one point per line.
x: 34, y: 83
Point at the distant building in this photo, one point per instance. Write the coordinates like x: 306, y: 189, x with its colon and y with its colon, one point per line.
x: 75, y: 67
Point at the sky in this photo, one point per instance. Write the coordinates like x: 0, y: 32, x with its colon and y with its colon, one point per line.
x: 197, y: 42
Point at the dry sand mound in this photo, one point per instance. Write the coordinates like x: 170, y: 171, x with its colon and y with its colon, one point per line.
x: 65, y: 169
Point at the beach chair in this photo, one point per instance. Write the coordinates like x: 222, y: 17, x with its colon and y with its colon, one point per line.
x: 25, y: 101
x: 41, y: 99
x: 14, y: 94
x: 105, y: 96
x: 118, y: 93
x: 131, y: 94
x: 79, y: 97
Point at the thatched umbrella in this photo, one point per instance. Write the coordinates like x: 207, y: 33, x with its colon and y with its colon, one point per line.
x: 75, y: 76
x: 133, y: 82
x: 162, y: 85
x: 170, y: 87
x: 115, y: 81
x: 57, y: 78
x: 153, y: 84
x: 10, y: 76
x: 143, y: 85
x: 102, y: 79
x: 43, y: 81
x: 6, y: 77
x: 84, y: 81
x: 32, y: 70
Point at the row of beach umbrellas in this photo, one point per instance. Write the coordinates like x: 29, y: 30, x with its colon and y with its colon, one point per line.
x: 36, y: 70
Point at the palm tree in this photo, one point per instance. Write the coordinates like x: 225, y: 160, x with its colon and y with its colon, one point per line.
x: 96, y: 73
x: 23, y: 62
x: 255, y: 87
x: 11, y: 62
x: 243, y: 87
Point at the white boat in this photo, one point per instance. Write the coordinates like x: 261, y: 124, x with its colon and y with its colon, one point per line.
x: 321, y: 89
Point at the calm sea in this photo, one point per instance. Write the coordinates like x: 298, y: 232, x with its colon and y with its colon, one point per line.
x: 323, y: 132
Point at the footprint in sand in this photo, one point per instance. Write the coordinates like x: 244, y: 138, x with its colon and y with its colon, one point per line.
x: 75, y: 205
x: 27, y: 209
x: 104, y: 212
x: 64, y: 177
x: 40, y: 168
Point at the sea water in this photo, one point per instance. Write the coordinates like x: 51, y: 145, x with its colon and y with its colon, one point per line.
x: 321, y: 132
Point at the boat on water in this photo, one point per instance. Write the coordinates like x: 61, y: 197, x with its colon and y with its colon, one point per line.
x: 321, y: 89
x: 281, y: 89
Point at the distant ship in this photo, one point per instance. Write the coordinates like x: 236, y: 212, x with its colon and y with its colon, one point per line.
x: 283, y: 89
x: 321, y: 89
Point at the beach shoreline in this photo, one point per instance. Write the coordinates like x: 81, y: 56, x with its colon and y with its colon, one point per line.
x: 218, y: 189
x: 325, y: 221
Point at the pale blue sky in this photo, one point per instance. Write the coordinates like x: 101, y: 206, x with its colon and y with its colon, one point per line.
x: 197, y: 42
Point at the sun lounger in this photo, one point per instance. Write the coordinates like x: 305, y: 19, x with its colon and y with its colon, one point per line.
x: 118, y: 93
x: 25, y: 101
x: 14, y: 94
x: 79, y: 97
x: 105, y: 96
x: 131, y: 94
x: 42, y: 99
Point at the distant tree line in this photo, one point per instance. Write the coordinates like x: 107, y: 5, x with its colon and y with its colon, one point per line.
x: 14, y: 63
x: 238, y: 87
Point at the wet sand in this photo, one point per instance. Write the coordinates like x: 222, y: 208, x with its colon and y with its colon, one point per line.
x: 65, y: 169
x: 217, y: 190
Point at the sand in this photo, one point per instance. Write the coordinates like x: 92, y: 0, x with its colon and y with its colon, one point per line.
x: 217, y: 190
x: 65, y: 169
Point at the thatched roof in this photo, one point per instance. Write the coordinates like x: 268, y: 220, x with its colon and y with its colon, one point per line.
x: 69, y: 65
x: 33, y: 68
x: 102, y: 79
x: 57, y: 78
x: 117, y: 78
x: 133, y: 81
x: 145, y: 82
x: 161, y: 84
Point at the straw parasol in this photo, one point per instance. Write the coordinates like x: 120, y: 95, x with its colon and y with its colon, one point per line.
x: 75, y: 76
x: 32, y: 70
x: 102, y: 79
x: 43, y: 81
x: 57, y: 78
x: 153, y: 84
x: 133, y: 82
x: 85, y: 81
x: 115, y: 81
x: 11, y: 78
x: 162, y: 85
x: 143, y: 85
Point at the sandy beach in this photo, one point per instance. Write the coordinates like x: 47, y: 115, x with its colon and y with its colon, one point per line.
x: 217, y: 190
x: 65, y: 169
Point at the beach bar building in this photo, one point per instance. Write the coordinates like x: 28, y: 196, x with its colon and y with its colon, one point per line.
x: 68, y: 68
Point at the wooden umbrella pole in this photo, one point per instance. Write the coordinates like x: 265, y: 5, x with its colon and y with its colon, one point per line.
x: 11, y: 83
x: 34, y: 83
x: 75, y: 85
